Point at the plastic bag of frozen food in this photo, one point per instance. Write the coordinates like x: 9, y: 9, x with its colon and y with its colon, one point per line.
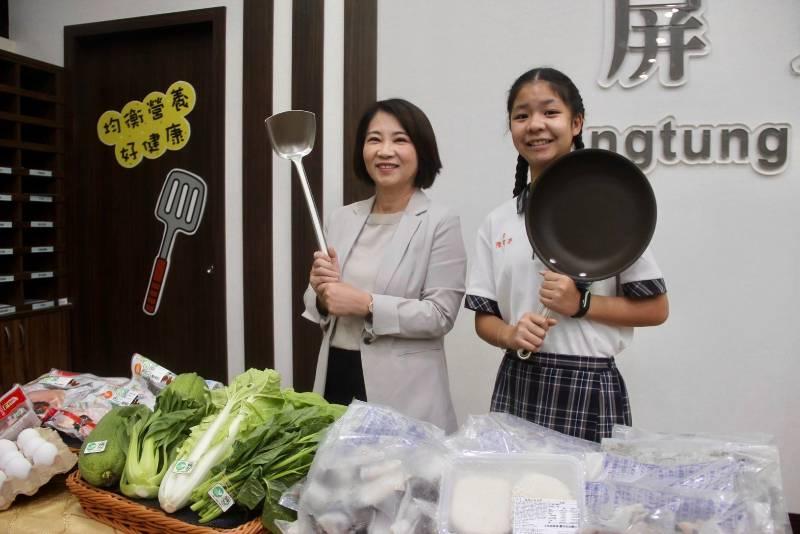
x: 504, y: 433
x: 375, y: 471
x: 688, y: 482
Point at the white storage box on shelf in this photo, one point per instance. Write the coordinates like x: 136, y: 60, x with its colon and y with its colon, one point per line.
x: 523, y: 493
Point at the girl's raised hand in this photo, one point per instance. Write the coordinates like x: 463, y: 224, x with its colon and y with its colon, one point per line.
x: 529, y: 333
x: 558, y: 293
x: 325, y: 269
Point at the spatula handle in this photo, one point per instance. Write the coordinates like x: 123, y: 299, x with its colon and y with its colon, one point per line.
x: 157, y: 277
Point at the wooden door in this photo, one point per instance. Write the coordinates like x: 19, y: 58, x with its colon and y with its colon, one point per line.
x: 116, y: 236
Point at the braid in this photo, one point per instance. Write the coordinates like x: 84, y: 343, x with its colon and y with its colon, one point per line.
x: 578, y: 140
x: 520, y: 176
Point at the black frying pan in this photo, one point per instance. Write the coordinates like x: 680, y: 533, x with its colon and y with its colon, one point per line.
x: 590, y: 215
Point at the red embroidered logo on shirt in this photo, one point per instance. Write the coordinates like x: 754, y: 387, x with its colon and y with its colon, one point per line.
x: 503, y: 241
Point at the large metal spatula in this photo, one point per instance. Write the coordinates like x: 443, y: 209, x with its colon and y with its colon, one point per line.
x: 180, y: 207
x: 292, y: 136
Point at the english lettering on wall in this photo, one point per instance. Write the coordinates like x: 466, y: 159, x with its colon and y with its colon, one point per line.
x: 645, y: 37
x: 765, y: 148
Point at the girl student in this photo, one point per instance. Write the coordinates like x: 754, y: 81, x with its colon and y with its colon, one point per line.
x: 391, y: 285
x: 571, y: 383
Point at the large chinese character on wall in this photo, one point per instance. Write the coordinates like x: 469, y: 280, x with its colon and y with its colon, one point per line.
x: 645, y: 39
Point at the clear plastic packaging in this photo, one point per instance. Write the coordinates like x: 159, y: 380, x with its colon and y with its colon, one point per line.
x: 659, y: 482
x: 16, y: 413
x: 376, y: 471
x: 524, y: 493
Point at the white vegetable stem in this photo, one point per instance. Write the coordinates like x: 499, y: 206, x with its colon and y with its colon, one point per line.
x: 176, y: 488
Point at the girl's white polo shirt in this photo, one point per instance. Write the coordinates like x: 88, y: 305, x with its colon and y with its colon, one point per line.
x: 505, y: 280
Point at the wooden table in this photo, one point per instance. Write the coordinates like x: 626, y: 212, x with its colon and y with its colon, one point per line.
x: 52, y: 510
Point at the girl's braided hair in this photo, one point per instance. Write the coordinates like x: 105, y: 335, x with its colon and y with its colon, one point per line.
x: 565, y: 89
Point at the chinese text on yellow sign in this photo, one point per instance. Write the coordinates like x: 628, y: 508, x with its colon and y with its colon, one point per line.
x: 150, y: 127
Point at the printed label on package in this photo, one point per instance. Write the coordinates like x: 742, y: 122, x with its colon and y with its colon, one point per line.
x: 545, y: 516
x: 42, y: 305
x: 56, y: 381
x: 221, y: 497
x: 95, y: 447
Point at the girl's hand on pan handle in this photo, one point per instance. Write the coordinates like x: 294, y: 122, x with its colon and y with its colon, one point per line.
x: 324, y: 270
x: 529, y: 333
x: 559, y: 293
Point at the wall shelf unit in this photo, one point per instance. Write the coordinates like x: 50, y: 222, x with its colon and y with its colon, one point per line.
x: 33, y: 268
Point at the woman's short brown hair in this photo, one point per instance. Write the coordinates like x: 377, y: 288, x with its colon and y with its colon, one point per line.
x: 419, y: 130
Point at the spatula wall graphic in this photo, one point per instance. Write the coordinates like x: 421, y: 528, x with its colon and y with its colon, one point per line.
x: 180, y: 207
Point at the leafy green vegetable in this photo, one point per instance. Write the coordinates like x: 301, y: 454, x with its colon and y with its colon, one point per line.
x: 155, y: 436
x: 249, y: 402
x: 269, y: 460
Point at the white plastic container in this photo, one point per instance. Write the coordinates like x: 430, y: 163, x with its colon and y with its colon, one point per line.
x: 512, y: 493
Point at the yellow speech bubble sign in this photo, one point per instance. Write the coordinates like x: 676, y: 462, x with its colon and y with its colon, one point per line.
x: 150, y: 127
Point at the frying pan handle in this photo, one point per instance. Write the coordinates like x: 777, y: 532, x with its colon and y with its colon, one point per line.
x: 157, y: 276
x: 544, y: 311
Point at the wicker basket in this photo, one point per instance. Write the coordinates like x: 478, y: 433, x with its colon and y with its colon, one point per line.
x: 130, y: 516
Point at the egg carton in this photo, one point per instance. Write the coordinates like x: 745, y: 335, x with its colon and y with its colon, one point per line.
x: 40, y: 475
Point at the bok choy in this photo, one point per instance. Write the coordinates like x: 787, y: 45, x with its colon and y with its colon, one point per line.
x: 249, y: 402
x: 155, y: 436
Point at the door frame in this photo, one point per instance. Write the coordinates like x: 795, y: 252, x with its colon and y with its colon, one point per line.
x: 73, y: 35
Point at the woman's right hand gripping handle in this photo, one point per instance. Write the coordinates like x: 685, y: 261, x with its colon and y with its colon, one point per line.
x: 528, y: 334
x: 324, y: 270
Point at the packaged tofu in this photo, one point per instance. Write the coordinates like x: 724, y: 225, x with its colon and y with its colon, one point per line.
x: 523, y: 493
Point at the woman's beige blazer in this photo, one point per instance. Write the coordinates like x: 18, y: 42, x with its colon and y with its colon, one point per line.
x: 417, y: 296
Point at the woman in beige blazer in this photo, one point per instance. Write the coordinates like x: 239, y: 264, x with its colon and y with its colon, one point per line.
x: 391, y: 285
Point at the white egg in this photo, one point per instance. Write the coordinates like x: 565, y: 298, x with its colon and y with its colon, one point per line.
x: 6, y: 445
x: 6, y: 456
x: 27, y: 437
x: 18, y: 467
x: 45, y: 454
x: 32, y: 446
x: 3, y: 478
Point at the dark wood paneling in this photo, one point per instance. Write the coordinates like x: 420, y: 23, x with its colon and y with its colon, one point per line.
x: 307, y: 67
x: 257, y: 184
x: 116, y: 237
x: 360, y: 75
x: 4, y: 18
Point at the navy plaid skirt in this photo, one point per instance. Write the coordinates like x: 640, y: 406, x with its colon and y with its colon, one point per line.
x: 577, y: 395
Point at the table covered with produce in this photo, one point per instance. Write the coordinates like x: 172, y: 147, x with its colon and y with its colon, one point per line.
x: 159, y: 452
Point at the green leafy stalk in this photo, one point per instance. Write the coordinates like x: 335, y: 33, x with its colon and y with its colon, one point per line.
x: 155, y: 437
x: 270, y: 459
x: 248, y: 403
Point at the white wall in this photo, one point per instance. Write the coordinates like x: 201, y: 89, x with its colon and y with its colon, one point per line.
x: 728, y: 239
